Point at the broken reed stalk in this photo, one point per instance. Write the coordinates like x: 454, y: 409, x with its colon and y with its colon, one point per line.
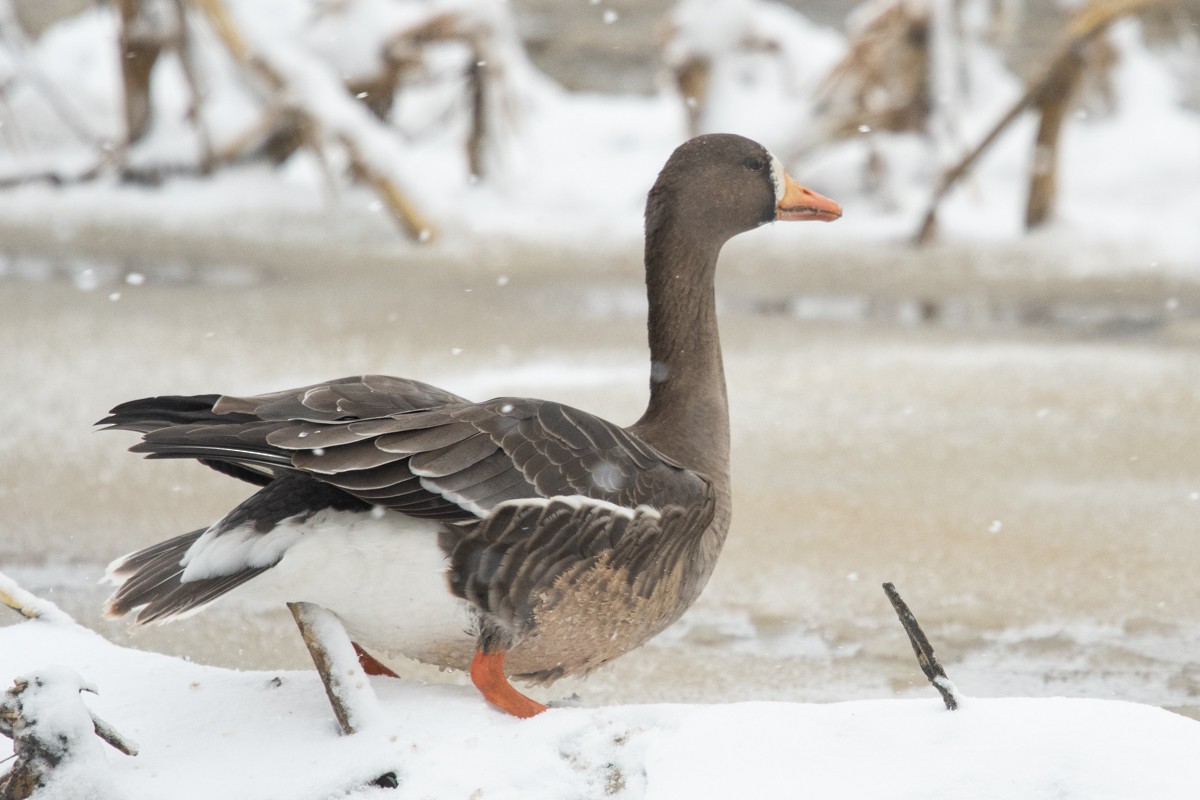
x: 232, y: 38
x: 478, y: 87
x: 346, y: 684
x: 1049, y: 94
x: 692, y: 79
x: 140, y: 45
x: 924, y: 651
x: 1052, y: 105
x: 341, y: 688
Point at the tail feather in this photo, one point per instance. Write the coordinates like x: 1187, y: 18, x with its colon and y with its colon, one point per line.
x: 162, y: 448
x: 151, y: 413
x: 178, y: 426
x: 149, y: 582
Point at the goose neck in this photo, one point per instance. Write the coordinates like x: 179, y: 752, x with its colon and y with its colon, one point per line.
x: 688, y: 413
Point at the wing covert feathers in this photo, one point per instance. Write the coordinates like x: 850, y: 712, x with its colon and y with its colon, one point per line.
x: 411, y: 447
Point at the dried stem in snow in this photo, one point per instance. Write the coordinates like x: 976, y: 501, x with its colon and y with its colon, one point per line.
x: 920, y: 645
x: 349, y: 690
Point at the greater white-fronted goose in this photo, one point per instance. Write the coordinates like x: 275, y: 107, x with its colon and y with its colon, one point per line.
x: 509, y: 537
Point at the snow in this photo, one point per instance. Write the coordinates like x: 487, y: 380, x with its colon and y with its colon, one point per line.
x: 207, y: 732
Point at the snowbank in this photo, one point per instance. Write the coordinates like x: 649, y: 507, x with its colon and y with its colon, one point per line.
x: 205, y: 732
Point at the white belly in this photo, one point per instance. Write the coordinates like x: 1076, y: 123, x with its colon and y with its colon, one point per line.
x: 383, y: 574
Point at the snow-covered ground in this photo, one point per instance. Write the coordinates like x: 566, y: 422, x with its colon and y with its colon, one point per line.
x: 204, y: 732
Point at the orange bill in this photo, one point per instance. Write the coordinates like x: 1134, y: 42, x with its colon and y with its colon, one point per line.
x: 799, y: 202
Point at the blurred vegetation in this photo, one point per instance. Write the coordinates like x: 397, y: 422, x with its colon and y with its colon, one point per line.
x: 893, y: 69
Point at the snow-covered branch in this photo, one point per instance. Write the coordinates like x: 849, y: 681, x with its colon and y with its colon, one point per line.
x: 54, y: 737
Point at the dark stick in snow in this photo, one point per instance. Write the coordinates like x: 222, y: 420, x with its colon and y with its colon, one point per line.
x: 920, y: 645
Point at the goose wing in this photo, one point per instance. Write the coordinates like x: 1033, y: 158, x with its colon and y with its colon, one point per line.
x: 414, y: 448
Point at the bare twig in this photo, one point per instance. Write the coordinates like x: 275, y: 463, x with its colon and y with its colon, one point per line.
x: 234, y: 42
x: 16, y: 604
x: 920, y: 645
x: 113, y: 737
x: 693, y: 78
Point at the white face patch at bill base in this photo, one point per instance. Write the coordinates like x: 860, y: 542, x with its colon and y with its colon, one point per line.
x: 778, y: 179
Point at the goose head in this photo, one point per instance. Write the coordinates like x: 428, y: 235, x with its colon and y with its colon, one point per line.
x: 718, y: 185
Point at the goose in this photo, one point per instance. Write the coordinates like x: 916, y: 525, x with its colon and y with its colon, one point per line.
x: 512, y: 538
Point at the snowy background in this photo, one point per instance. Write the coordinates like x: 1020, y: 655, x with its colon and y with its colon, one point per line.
x: 1002, y: 423
x: 570, y: 169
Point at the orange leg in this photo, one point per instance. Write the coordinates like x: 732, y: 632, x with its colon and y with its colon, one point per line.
x: 487, y: 673
x: 370, y: 665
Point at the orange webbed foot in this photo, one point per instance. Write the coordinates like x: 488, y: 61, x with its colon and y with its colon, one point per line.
x: 370, y: 664
x: 487, y: 673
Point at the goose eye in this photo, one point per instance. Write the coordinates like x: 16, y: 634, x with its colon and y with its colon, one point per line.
x: 754, y: 163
